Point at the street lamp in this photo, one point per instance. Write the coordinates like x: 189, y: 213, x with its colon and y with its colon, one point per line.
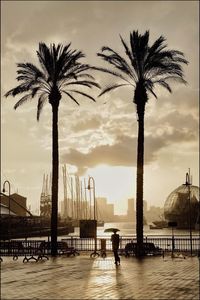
x: 188, y: 184
x: 95, y: 234
x: 85, y: 200
x: 4, y: 190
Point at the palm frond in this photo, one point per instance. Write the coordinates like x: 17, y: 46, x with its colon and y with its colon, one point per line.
x: 46, y: 60
x: 70, y: 62
x: 73, y: 76
x: 28, y: 68
x: 45, y: 85
x: 128, y: 52
x: 110, y: 88
x: 87, y: 83
x: 180, y: 60
x: 174, y: 78
x: 164, y: 84
x: 160, y: 69
x: 34, y: 91
x: 117, y: 61
x: 149, y: 86
x: 150, y: 89
x: 105, y: 70
x: 23, y: 100
x: 85, y: 75
x: 68, y: 94
x: 73, y: 73
x: 41, y: 101
x: 83, y: 94
x: 157, y: 46
x: 9, y: 93
x: 18, y: 90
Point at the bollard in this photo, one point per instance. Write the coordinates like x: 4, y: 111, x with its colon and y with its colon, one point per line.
x: 103, y: 248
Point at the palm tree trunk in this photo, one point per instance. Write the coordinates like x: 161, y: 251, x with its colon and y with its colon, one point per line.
x: 139, y: 185
x: 55, y: 164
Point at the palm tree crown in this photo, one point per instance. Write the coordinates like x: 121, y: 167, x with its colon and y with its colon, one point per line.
x: 146, y: 66
x: 60, y: 73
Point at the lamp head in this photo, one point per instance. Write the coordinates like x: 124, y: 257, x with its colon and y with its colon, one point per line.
x: 88, y: 187
x: 4, y: 190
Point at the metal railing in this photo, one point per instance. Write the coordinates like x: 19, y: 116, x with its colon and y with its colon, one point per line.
x: 30, y: 249
x: 167, y: 244
x: 35, y: 249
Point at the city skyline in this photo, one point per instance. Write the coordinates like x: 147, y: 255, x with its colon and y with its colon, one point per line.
x: 99, y: 139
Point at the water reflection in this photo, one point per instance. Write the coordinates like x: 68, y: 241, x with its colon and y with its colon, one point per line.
x: 129, y: 229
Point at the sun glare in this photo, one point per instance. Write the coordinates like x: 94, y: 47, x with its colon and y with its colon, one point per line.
x: 117, y: 184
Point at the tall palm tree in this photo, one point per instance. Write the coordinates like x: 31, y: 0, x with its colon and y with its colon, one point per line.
x: 60, y: 72
x: 143, y: 68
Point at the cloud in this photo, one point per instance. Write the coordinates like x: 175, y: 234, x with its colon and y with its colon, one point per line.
x: 124, y: 151
x: 95, y: 133
x: 92, y: 123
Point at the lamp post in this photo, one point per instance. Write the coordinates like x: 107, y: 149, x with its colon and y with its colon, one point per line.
x: 85, y: 199
x: 188, y: 184
x: 95, y: 234
x: 4, y: 190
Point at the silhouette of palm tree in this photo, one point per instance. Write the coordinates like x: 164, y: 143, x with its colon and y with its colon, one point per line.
x: 60, y: 73
x: 144, y: 67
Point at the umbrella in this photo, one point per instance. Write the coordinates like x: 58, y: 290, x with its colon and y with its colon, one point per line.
x: 111, y: 230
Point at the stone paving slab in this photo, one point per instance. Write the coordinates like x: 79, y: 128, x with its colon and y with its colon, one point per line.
x: 81, y: 277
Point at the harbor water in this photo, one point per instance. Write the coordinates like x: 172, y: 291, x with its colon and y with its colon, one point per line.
x: 128, y: 229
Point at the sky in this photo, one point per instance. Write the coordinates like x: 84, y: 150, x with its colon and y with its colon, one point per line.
x: 100, y: 139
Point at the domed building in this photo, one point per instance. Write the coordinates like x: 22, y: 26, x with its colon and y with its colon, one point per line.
x: 178, y: 208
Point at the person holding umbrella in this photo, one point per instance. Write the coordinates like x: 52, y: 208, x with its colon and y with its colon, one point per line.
x: 115, y: 243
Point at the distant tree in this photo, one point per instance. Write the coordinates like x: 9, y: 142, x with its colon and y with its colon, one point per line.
x: 143, y: 68
x: 61, y: 72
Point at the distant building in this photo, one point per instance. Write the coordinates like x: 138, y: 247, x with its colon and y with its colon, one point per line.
x: 110, y: 210
x: 101, y: 201
x: 131, y: 210
x: 154, y: 213
x: 102, y: 212
x: 17, y: 204
x: 105, y: 211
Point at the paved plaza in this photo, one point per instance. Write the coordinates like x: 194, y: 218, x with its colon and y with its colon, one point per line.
x: 82, y: 277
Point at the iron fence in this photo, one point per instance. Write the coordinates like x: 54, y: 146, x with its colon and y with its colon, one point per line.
x: 37, y: 248
x: 167, y: 244
x: 28, y: 248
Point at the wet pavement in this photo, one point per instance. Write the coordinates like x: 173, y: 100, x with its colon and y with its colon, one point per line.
x: 82, y: 277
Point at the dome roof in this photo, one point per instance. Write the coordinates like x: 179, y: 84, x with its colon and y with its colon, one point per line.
x: 179, y: 197
x: 177, y: 206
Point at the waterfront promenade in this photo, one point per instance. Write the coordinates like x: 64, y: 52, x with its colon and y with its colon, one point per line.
x: 81, y: 277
